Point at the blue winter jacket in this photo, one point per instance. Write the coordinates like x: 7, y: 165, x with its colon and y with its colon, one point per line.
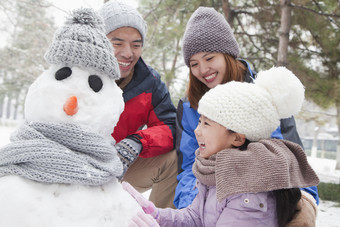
x: 186, y: 145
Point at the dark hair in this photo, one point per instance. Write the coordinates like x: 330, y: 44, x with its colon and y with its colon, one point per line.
x: 244, y: 146
x: 286, y: 204
x: 235, y: 70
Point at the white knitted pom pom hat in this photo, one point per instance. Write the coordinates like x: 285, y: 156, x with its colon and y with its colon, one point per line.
x: 255, y: 109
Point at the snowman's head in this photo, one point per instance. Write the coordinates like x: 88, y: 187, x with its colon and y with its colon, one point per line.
x: 79, y: 87
x: 64, y: 94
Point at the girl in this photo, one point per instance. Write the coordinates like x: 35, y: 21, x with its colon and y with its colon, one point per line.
x: 244, y: 178
x: 210, y: 51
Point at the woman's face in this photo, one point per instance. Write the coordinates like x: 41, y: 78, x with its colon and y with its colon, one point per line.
x: 212, y: 137
x: 209, y: 68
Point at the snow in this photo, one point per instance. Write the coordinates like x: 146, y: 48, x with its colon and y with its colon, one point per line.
x: 328, y: 213
x: 325, y: 169
x: 33, y: 204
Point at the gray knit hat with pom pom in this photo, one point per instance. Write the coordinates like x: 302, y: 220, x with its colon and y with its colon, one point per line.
x: 208, y: 31
x: 82, y: 42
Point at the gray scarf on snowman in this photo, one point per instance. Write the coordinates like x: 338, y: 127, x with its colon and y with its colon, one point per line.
x: 59, y: 153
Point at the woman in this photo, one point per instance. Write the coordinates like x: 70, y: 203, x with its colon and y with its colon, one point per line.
x: 211, y: 53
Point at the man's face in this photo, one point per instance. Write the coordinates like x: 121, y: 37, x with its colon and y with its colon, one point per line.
x: 127, y: 43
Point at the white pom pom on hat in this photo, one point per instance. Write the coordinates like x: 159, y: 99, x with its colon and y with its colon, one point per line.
x: 254, y: 110
x: 285, y: 88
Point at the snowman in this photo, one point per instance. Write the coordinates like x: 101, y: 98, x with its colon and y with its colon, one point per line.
x: 60, y: 167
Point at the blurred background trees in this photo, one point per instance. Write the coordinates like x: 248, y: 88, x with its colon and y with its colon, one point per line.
x: 28, y: 31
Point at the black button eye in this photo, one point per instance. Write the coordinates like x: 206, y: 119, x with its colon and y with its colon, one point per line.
x: 95, y: 83
x: 63, y: 73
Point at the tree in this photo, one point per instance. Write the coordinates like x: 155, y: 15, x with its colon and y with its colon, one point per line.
x: 166, y: 21
x: 21, y: 60
x: 285, y: 21
x: 255, y: 24
x: 316, y: 52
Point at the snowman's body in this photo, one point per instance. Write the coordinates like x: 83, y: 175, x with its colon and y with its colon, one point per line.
x: 26, y: 203
x: 29, y: 203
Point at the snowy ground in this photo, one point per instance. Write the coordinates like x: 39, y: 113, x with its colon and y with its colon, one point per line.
x: 329, y: 212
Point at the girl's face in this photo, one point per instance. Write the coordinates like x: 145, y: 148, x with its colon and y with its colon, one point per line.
x: 209, y: 68
x: 212, y: 137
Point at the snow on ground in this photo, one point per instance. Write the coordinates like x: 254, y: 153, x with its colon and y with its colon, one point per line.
x: 325, y: 168
x: 328, y: 213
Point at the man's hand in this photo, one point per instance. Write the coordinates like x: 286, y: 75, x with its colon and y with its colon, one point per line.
x: 128, y: 151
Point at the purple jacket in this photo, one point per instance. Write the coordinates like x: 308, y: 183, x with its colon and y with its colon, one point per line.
x: 242, y: 210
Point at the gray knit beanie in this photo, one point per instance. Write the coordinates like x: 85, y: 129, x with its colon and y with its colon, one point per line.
x: 119, y: 14
x: 208, y: 31
x: 82, y: 42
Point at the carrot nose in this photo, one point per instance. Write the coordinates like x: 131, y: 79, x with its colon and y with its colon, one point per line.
x: 71, y: 106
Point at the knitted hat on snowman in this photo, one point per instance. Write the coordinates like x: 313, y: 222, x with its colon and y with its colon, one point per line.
x: 255, y: 109
x: 82, y: 42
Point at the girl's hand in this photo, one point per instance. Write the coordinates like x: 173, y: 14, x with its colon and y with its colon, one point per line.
x: 147, y: 206
x: 143, y: 220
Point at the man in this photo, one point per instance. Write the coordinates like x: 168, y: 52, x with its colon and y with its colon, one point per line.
x: 146, y: 129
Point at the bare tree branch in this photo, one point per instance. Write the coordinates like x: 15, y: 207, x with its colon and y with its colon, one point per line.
x: 328, y: 17
x: 5, y: 11
x: 153, y: 9
x: 304, y: 45
x: 249, y: 36
x: 314, y: 11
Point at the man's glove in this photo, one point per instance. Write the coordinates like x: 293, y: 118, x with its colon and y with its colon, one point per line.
x: 128, y: 151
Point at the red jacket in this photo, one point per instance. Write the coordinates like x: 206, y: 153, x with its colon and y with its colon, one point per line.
x: 147, y: 103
